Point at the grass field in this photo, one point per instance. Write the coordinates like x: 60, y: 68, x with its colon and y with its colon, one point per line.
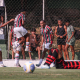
x: 7, y: 73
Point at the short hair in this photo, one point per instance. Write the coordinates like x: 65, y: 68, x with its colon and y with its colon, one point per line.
x: 43, y: 21
x: 33, y: 30
x: 23, y: 9
x: 67, y: 20
x: 60, y: 19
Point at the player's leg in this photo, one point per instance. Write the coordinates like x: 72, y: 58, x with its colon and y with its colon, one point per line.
x: 66, y: 50
x: 43, y: 55
x: 12, y: 54
x: 53, y: 55
x: 22, y: 50
x: 17, y: 50
x: 30, y: 49
x: 60, y: 48
x: 39, y: 52
x: 1, y: 62
x: 73, y: 52
x: 63, y: 48
x: 47, y: 46
x: 27, y: 36
x: 17, y: 59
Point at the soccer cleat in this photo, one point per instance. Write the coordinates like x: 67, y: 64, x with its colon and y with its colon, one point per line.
x: 37, y: 65
x: 45, y: 67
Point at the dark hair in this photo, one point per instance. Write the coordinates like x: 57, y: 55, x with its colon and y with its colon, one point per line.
x: 67, y: 20
x: 60, y: 19
x: 23, y: 9
x: 33, y: 30
x: 43, y: 21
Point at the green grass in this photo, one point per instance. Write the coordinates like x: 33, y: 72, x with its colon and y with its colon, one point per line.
x: 7, y: 73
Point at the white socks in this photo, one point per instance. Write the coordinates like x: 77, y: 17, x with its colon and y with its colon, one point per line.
x: 16, y: 59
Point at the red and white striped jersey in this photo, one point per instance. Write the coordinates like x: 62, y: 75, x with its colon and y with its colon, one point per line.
x: 46, y: 32
x: 18, y: 20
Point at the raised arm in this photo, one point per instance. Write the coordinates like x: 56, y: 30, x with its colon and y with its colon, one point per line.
x: 56, y: 32
x: 6, y: 23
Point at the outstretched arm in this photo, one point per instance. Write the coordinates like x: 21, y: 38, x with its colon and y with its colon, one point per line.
x: 6, y: 23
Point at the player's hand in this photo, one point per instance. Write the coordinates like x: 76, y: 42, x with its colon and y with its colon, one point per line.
x: 61, y: 36
x: 50, y: 45
x: 11, y: 20
x: 69, y: 40
x: 58, y: 35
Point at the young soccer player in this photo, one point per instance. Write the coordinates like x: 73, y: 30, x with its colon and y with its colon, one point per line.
x: 47, y: 39
x: 20, y: 33
x: 56, y: 56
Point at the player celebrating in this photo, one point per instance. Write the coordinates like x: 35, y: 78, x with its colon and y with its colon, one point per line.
x: 47, y: 39
x: 56, y: 55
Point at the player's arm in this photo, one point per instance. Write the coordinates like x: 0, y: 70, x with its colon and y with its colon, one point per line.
x: 42, y: 40
x: 65, y: 31
x: 6, y: 23
x: 56, y: 32
x: 10, y: 36
x: 52, y: 37
x: 23, y: 19
x: 2, y: 19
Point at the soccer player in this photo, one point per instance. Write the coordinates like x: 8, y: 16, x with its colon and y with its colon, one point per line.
x: 56, y: 56
x: 12, y: 40
x: 47, y: 39
x: 20, y: 33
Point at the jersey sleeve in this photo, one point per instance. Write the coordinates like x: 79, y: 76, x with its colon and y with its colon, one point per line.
x: 23, y: 17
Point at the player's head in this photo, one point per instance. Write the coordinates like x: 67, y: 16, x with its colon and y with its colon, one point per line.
x: 33, y: 31
x: 23, y: 11
x: 67, y: 22
x: 60, y: 21
x: 42, y: 23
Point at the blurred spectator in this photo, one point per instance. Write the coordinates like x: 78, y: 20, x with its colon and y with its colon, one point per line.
x: 34, y: 43
x: 70, y: 39
x: 1, y: 19
x: 60, y: 33
x: 13, y: 39
x: 1, y: 62
x: 1, y: 22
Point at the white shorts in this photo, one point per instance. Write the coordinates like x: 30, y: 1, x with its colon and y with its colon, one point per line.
x: 20, y: 31
x: 14, y: 46
x: 46, y: 46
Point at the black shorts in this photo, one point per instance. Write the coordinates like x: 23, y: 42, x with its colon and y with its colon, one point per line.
x: 61, y: 42
x: 33, y: 48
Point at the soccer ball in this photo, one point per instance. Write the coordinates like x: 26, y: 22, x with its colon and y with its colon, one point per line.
x: 29, y: 67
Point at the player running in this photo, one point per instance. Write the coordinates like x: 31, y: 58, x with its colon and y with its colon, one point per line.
x: 47, y: 39
x: 57, y: 57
